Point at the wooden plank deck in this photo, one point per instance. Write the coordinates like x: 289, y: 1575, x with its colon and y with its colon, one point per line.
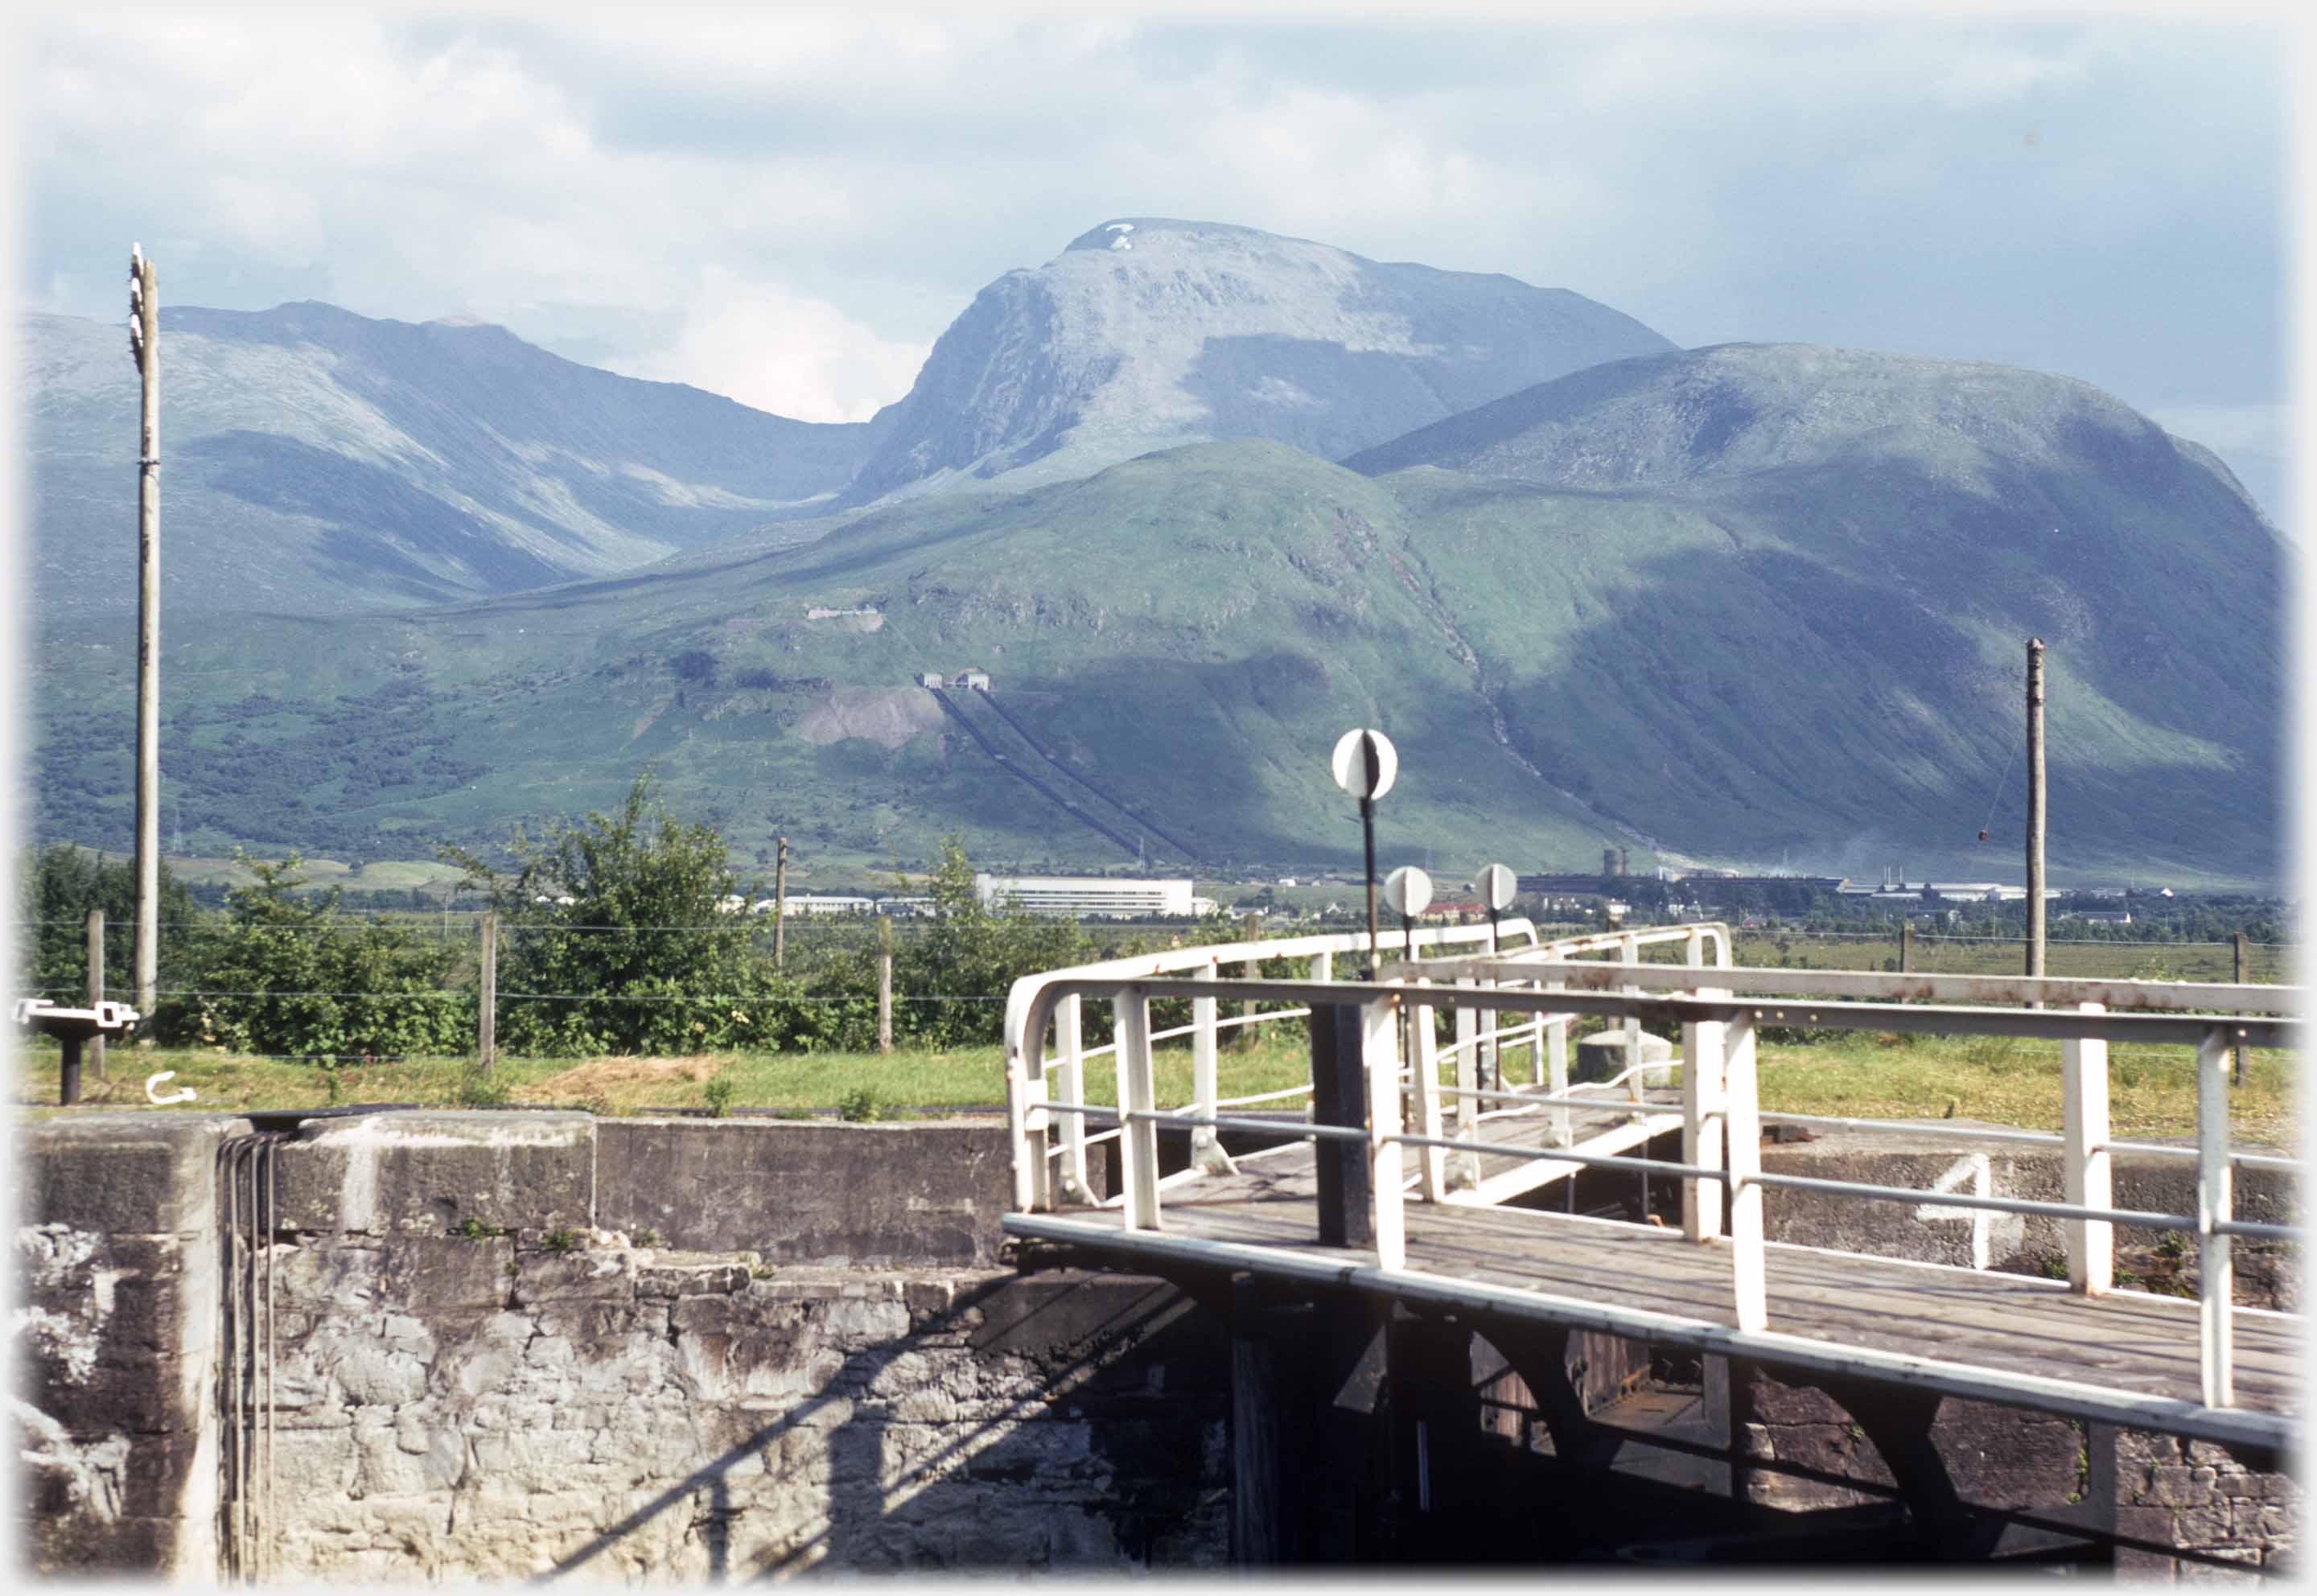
x: 2125, y: 1342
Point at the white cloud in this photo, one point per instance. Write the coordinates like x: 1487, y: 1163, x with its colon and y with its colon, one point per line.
x: 764, y: 346
x: 862, y: 177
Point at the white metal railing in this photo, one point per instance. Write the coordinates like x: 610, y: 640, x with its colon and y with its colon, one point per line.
x: 1042, y: 1091
x: 1720, y: 1010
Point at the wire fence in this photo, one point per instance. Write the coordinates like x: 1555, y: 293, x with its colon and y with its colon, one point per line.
x: 412, y: 983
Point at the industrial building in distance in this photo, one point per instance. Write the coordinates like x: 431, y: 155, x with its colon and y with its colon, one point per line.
x: 1119, y: 898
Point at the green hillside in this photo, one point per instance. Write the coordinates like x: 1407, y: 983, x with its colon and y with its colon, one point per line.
x: 1763, y: 665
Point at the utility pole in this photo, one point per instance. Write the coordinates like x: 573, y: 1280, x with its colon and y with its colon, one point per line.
x: 143, y: 348
x: 2035, y: 805
x: 780, y: 900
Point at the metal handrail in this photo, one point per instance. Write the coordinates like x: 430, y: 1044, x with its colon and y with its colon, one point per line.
x: 1721, y: 1115
x: 1028, y: 1071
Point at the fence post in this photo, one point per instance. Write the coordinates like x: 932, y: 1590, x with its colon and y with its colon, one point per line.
x: 2239, y: 1071
x: 96, y: 985
x: 1702, y: 1109
x: 2215, y: 1193
x: 1138, y: 1141
x: 1070, y: 1034
x: 1323, y: 966
x: 1380, y: 1051
x: 487, y: 1008
x: 1906, y: 948
x: 1742, y: 1161
x: 885, y: 984
x: 2089, y: 1174
x: 1206, y: 1148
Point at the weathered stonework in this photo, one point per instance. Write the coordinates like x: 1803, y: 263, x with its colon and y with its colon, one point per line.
x: 470, y: 1379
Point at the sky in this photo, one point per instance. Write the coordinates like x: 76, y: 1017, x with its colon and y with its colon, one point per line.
x: 790, y: 208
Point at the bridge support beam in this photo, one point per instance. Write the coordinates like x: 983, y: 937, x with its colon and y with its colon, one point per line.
x: 1339, y: 1097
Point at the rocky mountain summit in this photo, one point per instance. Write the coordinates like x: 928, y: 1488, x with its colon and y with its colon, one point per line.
x: 1147, y: 333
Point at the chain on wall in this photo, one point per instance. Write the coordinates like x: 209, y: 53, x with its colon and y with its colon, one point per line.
x: 246, y: 1192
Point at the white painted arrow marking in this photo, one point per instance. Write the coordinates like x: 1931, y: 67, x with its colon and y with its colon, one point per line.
x: 1971, y: 1167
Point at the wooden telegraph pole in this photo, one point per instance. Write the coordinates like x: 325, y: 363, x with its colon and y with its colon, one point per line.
x: 143, y: 348
x: 2035, y: 805
x: 780, y: 900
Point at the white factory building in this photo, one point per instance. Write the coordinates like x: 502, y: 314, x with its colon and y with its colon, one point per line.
x: 1090, y: 895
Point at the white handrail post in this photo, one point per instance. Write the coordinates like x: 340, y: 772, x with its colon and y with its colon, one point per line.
x: 1488, y: 1066
x: 1070, y: 1072
x: 2083, y: 1119
x: 1205, y: 1149
x: 1026, y: 1157
x: 1629, y: 951
x: 1034, y: 1121
x: 1694, y: 946
x: 2217, y: 1363
x: 1323, y: 966
x: 1435, y: 1162
x: 1556, y: 1080
x: 1702, y: 1108
x: 1742, y: 1161
x: 1468, y: 1071
x: 1379, y: 1047
x: 1535, y: 1042
x: 1138, y: 1141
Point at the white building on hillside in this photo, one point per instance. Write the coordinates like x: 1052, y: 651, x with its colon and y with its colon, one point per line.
x: 1112, y: 895
x: 814, y: 903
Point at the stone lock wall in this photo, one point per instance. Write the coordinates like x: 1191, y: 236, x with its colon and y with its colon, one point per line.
x: 473, y: 1375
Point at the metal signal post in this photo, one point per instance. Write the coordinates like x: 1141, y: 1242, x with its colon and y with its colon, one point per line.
x: 1364, y: 763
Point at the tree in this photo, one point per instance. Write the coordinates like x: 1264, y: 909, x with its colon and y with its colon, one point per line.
x: 615, y: 938
x: 285, y: 973
x: 975, y: 952
x: 60, y: 886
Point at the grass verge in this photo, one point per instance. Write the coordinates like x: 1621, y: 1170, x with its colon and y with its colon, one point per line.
x: 2008, y: 1080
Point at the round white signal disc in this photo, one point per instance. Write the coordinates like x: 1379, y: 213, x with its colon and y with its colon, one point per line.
x: 1364, y: 763
x: 1408, y: 891
x: 1497, y: 885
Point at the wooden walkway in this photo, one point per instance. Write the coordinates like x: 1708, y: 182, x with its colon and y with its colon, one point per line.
x: 2120, y: 1358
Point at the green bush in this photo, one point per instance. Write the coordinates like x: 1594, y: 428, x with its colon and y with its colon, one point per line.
x: 642, y: 958
x: 283, y: 973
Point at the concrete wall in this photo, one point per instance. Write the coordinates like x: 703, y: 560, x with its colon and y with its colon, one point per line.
x: 476, y: 1373
x: 117, y: 1264
x: 507, y: 1344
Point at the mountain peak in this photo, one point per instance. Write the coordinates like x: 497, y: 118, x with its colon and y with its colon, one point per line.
x: 1150, y: 331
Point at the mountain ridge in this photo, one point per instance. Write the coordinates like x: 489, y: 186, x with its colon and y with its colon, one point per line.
x: 324, y: 461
